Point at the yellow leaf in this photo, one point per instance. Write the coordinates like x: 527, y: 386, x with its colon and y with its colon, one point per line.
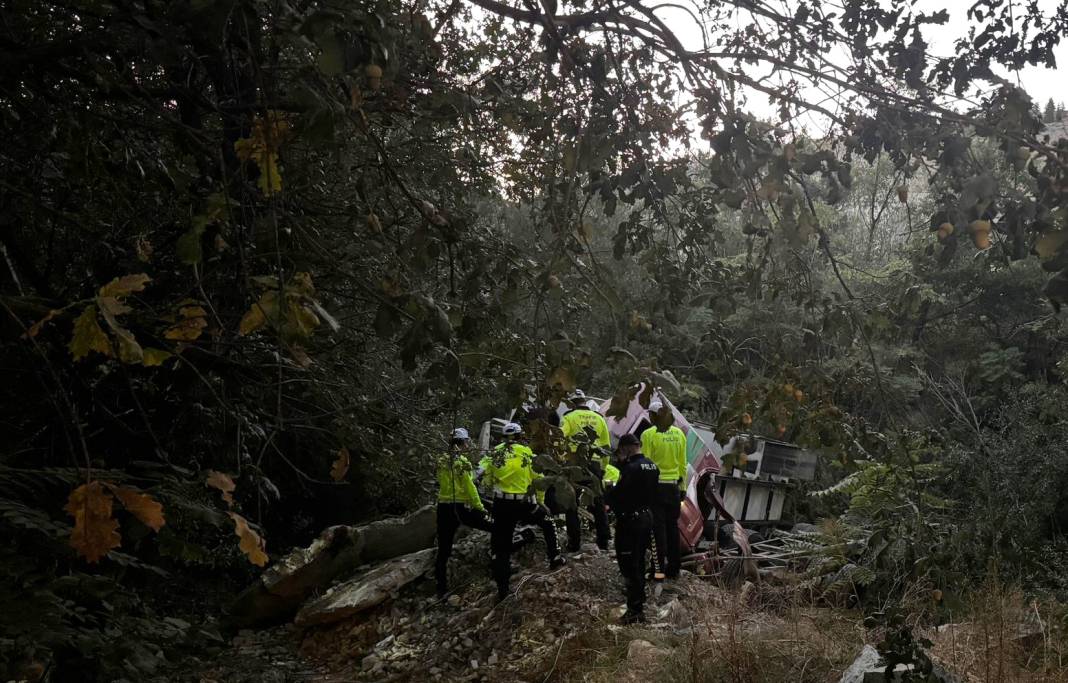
x: 154, y: 357
x: 95, y: 532
x: 140, y: 505
x: 129, y: 350
x: 193, y: 312
x: 35, y: 329
x: 188, y: 329
x: 300, y: 322
x: 125, y: 285
x: 88, y: 336
x: 341, y: 465
x: 251, y: 544
x: 259, y: 314
x: 270, y: 181
x: 222, y: 482
x: 301, y: 283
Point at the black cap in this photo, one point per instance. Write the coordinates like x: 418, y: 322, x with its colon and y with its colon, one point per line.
x: 628, y: 440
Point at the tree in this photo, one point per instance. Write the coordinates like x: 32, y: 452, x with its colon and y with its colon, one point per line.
x: 358, y: 226
x: 1049, y: 114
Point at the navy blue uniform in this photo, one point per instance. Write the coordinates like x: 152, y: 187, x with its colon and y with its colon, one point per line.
x: 631, y: 500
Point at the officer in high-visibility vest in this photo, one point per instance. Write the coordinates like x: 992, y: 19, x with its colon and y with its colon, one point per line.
x: 458, y: 502
x: 510, y: 473
x: 631, y: 500
x: 574, y: 424
x: 665, y: 445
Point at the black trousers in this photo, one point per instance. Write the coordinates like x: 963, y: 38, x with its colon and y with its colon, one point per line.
x: 506, y: 515
x: 602, y: 532
x: 451, y: 516
x: 632, y: 540
x: 666, y: 528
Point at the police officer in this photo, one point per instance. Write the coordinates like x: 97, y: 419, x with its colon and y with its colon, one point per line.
x: 458, y: 502
x: 575, y: 423
x: 510, y: 473
x: 665, y: 445
x: 631, y: 499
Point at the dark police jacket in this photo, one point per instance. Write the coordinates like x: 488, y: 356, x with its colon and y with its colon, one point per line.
x: 638, y: 479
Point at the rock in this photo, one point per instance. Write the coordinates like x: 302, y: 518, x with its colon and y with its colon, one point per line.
x: 365, y: 591
x: 868, y: 660
x: 675, y: 613
x: 492, y: 659
x: 370, y: 661
x: 280, y: 590
x: 474, y: 664
x: 453, y: 601
x: 643, y: 658
x: 468, y: 643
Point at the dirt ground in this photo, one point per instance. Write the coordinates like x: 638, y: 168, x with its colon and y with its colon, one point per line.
x: 559, y: 625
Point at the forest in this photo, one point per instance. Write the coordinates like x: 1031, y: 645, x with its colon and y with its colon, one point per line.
x: 260, y: 257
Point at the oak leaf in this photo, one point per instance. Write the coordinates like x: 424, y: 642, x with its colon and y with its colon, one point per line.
x: 222, y: 482
x: 95, y: 532
x: 129, y: 350
x: 251, y: 544
x: 88, y: 336
x: 341, y: 465
x: 140, y: 505
x: 125, y: 285
x: 186, y: 329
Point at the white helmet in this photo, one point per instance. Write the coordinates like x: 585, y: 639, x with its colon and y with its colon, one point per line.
x: 460, y: 434
x: 655, y: 405
x: 511, y: 429
x: 577, y: 396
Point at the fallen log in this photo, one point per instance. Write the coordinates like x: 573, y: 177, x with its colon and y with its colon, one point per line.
x: 279, y: 592
x: 365, y: 591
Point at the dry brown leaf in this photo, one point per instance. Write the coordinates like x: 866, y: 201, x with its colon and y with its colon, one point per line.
x: 140, y: 505
x: 341, y: 465
x: 222, y: 482
x: 125, y: 285
x: 300, y: 356
x: 95, y: 532
x: 251, y: 544
x: 35, y: 329
x: 562, y: 376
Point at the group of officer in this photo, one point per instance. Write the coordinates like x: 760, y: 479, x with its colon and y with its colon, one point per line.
x: 644, y: 484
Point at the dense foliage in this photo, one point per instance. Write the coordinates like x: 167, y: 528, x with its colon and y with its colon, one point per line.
x: 259, y: 255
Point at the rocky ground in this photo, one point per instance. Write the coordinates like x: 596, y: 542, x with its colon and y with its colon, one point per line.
x: 558, y: 625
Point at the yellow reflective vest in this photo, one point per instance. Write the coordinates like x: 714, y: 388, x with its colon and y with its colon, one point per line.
x: 455, y: 483
x: 667, y: 450
x: 577, y: 420
x: 611, y: 474
x: 515, y: 473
